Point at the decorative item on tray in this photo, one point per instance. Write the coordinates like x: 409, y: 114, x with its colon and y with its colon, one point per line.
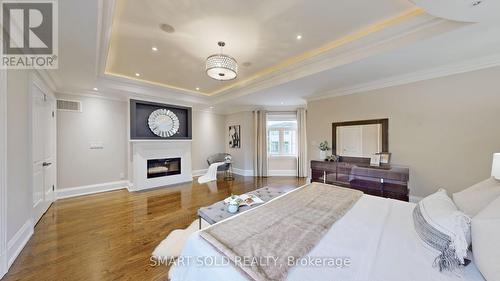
x: 323, y: 148
x: 332, y: 158
x: 244, y: 200
x: 233, y: 206
x: 375, y: 160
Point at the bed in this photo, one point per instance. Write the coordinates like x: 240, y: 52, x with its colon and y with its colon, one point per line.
x: 376, y: 235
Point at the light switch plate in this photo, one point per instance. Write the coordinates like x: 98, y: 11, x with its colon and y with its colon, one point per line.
x: 96, y: 145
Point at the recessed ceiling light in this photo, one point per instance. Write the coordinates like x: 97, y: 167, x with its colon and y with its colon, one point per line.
x: 155, y: 49
x: 299, y: 37
x: 95, y: 89
x: 282, y: 103
x: 137, y: 74
x: 197, y: 88
x: 212, y: 107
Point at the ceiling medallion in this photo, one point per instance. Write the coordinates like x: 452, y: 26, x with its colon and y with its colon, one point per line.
x: 221, y: 67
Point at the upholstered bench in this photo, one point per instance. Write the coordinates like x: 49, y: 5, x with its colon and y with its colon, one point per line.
x: 218, y: 211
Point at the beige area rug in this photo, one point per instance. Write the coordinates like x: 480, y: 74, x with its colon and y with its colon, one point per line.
x: 171, y: 247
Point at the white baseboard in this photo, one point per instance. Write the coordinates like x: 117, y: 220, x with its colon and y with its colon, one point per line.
x: 197, y: 173
x: 241, y: 172
x: 415, y: 199
x: 130, y: 186
x: 282, y: 173
x: 90, y: 189
x: 17, y: 243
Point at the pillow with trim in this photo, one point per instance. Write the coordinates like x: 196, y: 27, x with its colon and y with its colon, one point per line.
x: 444, y: 229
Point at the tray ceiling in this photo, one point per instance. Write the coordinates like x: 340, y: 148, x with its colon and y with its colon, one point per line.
x: 260, y: 35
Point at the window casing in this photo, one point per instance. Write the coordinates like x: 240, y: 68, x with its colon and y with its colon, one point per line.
x: 282, y: 137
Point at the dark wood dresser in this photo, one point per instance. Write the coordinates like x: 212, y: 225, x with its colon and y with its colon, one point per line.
x: 389, y: 181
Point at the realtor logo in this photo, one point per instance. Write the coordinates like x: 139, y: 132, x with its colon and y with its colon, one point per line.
x: 29, y: 34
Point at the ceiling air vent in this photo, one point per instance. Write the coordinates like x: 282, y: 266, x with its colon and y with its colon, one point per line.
x: 69, y: 105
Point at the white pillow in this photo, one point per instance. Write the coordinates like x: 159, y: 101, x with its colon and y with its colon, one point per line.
x: 486, y: 240
x: 473, y: 199
x: 444, y: 229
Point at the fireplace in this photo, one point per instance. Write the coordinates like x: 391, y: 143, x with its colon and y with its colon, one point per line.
x: 164, y: 167
x: 146, y: 153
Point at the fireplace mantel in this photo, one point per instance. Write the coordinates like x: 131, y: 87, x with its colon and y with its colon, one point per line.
x: 144, y: 150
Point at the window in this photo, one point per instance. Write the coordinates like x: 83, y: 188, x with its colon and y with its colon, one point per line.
x: 274, y: 142
x: 282, y: 135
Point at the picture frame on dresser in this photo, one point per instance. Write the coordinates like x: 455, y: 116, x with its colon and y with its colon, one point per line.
x: 375, y: 160
x: 385, y: 157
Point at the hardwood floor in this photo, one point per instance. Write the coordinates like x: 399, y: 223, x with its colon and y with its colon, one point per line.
x: 110, y: 236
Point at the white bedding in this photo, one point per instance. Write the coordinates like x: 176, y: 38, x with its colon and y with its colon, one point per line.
x: 377, y: 236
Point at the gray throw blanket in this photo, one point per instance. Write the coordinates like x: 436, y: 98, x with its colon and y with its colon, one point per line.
x: 261, y: 242
x: 447, y: 260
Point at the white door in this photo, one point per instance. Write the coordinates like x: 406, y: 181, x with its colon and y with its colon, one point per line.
x: 44, y: 144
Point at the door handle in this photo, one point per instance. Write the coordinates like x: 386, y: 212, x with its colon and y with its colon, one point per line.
x: 46, y: 164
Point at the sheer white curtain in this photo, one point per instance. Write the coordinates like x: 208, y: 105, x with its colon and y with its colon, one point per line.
x: 302, y: 143
x: 260, y: 141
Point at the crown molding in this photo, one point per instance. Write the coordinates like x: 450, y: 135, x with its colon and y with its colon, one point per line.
x: 87, y: 94
x: 104, y: 34
x: 352, y: 47
x: 125, y: 97
x: 130, y: 87
x: 138, y: 85
x: 359, y: 35
x: 250, y: 108
x: 412, y: 32
x: 406, y: 30
x: 442, y: 71
x: 48, y: 78
x: 104, y: 23
x: 368, y: 31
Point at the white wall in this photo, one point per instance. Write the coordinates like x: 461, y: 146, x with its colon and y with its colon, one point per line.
x: 3, y: 172
x: 208, y: 137
x: 101, y: 121
x: 242, y: 157
x: 19, y: 192
x: 282, y: 166
x: 445, y: 129
x: 105, y: 121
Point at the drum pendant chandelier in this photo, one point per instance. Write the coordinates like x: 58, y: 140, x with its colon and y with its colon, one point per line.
x: 221, y: 67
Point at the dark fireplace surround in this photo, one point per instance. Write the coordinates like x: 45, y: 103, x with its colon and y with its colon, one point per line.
x: 164, y: 167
